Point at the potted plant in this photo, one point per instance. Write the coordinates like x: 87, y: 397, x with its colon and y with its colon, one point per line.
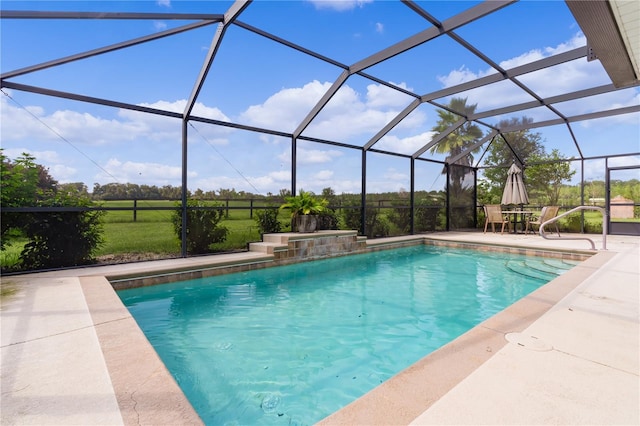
x: 304, y: 207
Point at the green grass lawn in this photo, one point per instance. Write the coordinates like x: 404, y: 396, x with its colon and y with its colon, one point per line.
x: 155, y: 233
x: 139, y: 237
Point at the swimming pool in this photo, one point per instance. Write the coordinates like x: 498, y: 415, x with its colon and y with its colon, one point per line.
x: 292, y: 344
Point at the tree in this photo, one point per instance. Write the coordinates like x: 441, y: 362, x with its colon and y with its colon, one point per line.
x: 78, y: 188
x: 546, y: 179
x: 284, y: 193
x: 500, y: 156
x: 459, y: 171
x: 24, y: 181
x: 22, y: 184
x: 462, y: 138
x: 56, y: 238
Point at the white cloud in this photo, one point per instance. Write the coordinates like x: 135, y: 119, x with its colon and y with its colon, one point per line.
x: 623, y: 162
x: 315, y: 156
x: 164, y: 3
x: 408, y: 145
x: 141, y: 173
x: 578, y: 40
x: 379, y: 27
x: 159, y: 25
x: 85, y: 128
x: 459, y: 76
x: 323, y: 175
x: 62, y: 173
x: 82, y: 128
x: 47, y: 156
x: 394, y: 175
x: 199, y: 109
x: 379, y: 96
x: 161, y: 128
x: 348, y: 114
x: 32, y: 122
x: 616, y: 100
x: 339, y: 5
x: 348, y: 186
x: 563, y: 78
x: 285, y: 109
x: 270, y: 182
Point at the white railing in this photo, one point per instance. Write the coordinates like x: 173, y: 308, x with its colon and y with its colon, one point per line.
x: 605, y: 221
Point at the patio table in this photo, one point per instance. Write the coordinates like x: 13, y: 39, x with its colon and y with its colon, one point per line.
x: 514, y: 213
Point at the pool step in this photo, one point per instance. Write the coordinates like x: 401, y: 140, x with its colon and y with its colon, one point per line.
x: 267, y: 247
x: 542, y: 269
x: 564, y: 264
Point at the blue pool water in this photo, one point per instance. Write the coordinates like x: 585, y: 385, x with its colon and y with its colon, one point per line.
x: 290, y: 345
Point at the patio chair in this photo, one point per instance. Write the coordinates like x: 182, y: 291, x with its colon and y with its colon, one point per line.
x: 548, y: 212
x: 493, y: 213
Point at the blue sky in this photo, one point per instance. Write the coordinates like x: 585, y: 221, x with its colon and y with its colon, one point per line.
x: 257, y: 82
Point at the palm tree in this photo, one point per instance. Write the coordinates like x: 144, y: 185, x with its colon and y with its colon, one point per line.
x: 460, y: 139
x: 457, y: 141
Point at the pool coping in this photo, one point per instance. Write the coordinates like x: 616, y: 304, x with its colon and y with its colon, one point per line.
x: 147, y: 393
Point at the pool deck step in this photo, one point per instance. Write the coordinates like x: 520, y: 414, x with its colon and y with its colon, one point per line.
x: 267, y: 247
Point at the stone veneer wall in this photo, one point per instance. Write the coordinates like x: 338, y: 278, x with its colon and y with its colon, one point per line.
x: 319, y: 245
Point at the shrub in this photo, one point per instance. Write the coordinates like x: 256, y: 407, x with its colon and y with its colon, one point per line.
x: 400, y: 216
x: 573, y: 223
x: 267, y: 221
x: 379, y: 227
x: 426, y: 218
x: 61, y: 239
x: 351, y: 217
x: 593, y: 227
x: 51, y: 239
x: 375, y: 224
x: 203, y: 227
x: 328, y: 220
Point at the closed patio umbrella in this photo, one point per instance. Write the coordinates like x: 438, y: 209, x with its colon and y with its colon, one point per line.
x: 514, y: 190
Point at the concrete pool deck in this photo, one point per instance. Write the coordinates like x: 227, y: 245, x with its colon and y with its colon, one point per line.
x: 567, y: 354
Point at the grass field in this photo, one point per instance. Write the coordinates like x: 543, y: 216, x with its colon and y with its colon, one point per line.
x: 152, y: 231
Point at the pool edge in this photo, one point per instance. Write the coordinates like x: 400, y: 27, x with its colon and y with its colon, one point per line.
x: 145, y: 390
x: 479, y: 343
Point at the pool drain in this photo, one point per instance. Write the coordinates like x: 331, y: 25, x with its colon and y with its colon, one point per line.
x: 528, y: 342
